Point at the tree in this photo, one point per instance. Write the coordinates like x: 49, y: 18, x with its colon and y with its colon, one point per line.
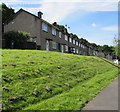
x: 84, y: 41
x: 94, y: 46
x: 7, y: 13
x: 16, y: 39
x: 61, y: 27
x: 116, y: 47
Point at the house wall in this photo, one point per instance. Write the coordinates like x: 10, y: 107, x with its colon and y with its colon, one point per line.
x: 27, y: 23
x: 49, y: 36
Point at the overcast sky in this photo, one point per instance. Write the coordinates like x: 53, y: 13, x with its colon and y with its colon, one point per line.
x: 94, y: 20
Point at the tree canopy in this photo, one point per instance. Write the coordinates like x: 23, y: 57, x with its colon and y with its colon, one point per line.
x: 116, y: 48
x: 7, y: 13
x: 16, y: 39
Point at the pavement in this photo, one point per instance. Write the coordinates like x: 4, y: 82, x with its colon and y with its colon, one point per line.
x: 107, y: 99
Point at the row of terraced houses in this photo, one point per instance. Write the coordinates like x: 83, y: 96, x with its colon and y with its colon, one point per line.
x: 48, y: 36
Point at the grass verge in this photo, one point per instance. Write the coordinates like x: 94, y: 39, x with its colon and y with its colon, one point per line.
x: 42, y: 80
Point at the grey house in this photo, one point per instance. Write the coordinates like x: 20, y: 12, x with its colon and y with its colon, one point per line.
x: 49, y: 37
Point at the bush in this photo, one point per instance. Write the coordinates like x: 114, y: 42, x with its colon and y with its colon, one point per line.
x: 16, y: 39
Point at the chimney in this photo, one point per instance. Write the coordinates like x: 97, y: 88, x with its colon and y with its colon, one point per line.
x: 40, y: 14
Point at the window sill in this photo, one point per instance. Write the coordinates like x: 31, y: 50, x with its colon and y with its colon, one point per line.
x: 45, y: 31
x: 54, y: 35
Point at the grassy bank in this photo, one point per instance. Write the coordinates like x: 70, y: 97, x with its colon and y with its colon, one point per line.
x: 42, y: 80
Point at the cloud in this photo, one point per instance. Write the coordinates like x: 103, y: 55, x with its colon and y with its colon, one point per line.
x: 93, y: 25
x: 110, y: 28
x: 8, y: 2
x: 58, y: 10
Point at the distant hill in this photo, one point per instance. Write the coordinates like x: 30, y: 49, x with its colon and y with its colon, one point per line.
x: 43, y: 80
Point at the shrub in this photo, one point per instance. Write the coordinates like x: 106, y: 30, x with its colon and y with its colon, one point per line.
x: 16, y: 39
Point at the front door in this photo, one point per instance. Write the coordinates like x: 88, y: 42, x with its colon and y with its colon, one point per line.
x: 62, y: 48
x: 47, y: 45
x: 59, y: 48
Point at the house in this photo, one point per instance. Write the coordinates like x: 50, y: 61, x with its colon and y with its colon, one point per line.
x: 49, y: 37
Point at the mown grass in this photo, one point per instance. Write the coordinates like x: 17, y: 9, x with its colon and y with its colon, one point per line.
x: 42, y: 80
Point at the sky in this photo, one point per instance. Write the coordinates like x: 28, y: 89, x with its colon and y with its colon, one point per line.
x: 93, y: 20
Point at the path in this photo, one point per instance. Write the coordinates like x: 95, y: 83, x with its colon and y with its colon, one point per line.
x: 107, y: 99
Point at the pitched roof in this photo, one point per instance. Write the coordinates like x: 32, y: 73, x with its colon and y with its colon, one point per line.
x: 17, y: 13
x: 22, y: 10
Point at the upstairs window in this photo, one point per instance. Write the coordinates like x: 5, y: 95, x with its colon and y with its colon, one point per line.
x: 60, y: 34
x: 54, y: 45
x: 73, y: 41
x: 76, y: 43
x: 70, y: 40
x: 53, y: 31
x: 44, y: 27
x: 66, y: 37
x: 79, y: 45
x: 83, y: 46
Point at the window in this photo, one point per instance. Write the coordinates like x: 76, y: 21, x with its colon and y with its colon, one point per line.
x: 83, y: 46
x: 53, y: 31
x: 80, y: 52
x: 73, y: 41
x: 60, y: 34
x: 62, y: 48
x: 44, y: 27
x: 70, y: 40
x: 66, y: 48
x: 66, y: 37
x: 47, y: 45
x: 76, y: 43
x: 79, y: 45
x: 54, y: 45
x: 77, y: 51
x: 73, y: 50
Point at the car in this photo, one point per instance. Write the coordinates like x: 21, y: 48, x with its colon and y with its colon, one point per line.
x: 116, y: 61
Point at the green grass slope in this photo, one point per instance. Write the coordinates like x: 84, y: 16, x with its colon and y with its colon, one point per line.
x: 42, y: 80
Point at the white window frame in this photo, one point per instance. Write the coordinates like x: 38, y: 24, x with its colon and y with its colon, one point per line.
x: 60, y: 34
x: 44, y: 27
x: 54, y: 45
x: 70, y: 39
x: 53, y: 31
x: 66, y: 48
x: 73, y: 41
x: 77, y: 43
x: 62, y: 48
x: 81, y: 45
x: 77, y: 51
x: 66, y: 37
x: 47, y: 45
